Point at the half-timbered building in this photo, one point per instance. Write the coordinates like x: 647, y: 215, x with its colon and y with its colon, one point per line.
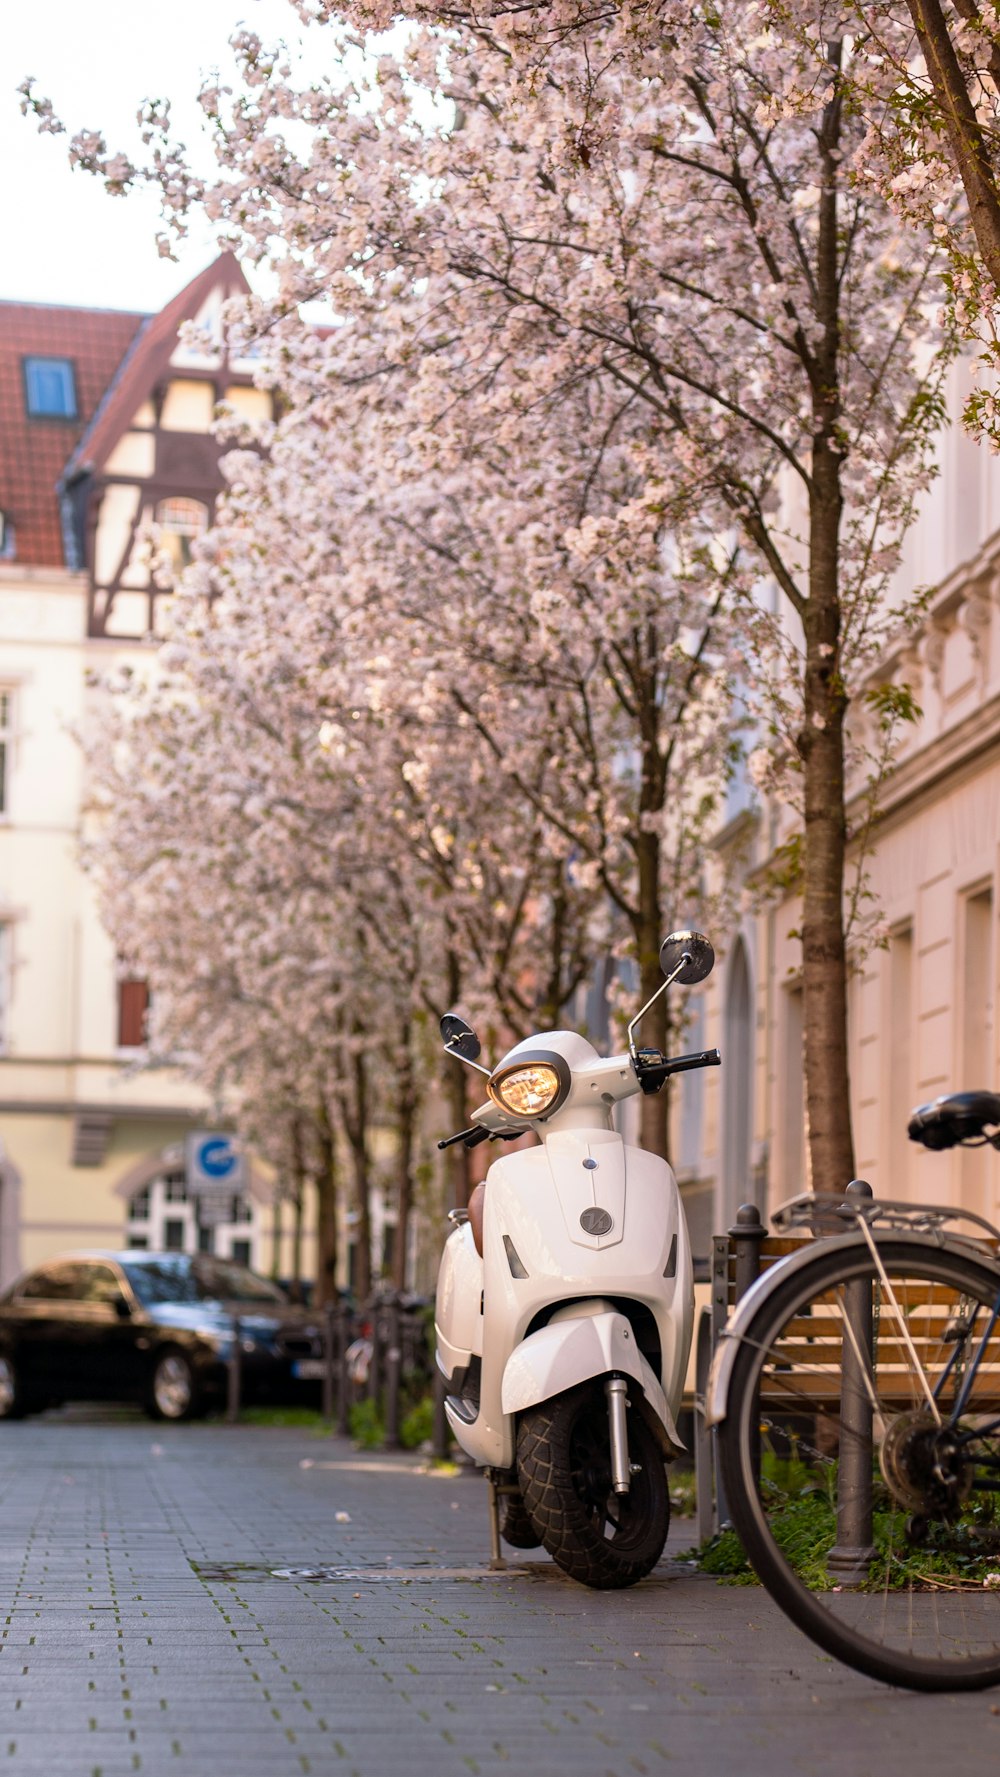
x: 105, y: 430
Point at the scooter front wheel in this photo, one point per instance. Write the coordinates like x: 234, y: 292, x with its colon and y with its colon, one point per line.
x: 603, y: 1539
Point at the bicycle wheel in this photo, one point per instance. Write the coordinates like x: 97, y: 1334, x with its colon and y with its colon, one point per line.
x: 861, y: 1457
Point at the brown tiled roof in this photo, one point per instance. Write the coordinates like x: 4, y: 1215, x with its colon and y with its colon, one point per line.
x: 33, y: 452
x: 117, y: 359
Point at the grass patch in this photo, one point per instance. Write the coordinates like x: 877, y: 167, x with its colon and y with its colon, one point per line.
x: 805, y: 1530
x: 298, y: 1418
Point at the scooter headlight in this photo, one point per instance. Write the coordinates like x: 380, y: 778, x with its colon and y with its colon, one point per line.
x: 528, y: 1090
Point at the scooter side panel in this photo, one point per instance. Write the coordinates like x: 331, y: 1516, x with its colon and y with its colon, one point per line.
x: 458, y: 1321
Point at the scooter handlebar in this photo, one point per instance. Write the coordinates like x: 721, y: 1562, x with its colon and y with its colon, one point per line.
x: 472, y: 1137
x: 654, y: 1074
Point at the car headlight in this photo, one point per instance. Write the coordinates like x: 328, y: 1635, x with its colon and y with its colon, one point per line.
x: 530, y: 1089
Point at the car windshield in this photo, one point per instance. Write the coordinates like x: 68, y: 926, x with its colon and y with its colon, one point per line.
x: 199, y: 1279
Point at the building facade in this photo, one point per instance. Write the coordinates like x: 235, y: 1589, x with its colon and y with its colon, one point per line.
x: 922, y: 1002
x: 105, y: 429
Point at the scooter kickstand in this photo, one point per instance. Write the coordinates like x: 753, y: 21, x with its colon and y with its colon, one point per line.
x: 497, y: 1562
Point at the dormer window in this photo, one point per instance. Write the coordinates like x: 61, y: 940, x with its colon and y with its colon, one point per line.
x: 50, y: 389
x: 180, y: 521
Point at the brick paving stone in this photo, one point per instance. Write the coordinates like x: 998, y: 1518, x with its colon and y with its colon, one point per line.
x: 142, y: 1631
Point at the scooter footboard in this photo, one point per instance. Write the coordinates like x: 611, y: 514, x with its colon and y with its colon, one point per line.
x: 572, y: 1350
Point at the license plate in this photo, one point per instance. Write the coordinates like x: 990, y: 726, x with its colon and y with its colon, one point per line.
x: 309, y: 1369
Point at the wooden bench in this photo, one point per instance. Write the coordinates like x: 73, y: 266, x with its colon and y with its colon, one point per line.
x: 738, y: 1258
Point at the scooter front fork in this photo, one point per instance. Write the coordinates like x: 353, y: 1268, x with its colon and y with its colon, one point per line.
x: 616, y: 1391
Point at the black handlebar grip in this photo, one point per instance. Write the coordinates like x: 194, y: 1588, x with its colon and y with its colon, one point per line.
x: 704, y: 1058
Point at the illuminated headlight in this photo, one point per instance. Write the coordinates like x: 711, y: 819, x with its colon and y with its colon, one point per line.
x: 527, y: 1091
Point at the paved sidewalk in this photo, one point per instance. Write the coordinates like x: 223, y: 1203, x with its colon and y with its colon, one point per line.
x: 155, y: 1619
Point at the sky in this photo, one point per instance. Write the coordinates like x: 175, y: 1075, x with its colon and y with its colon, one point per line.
x: 64, y: 240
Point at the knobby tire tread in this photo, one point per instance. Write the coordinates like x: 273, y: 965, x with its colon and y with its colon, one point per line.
x: 556, y: 1513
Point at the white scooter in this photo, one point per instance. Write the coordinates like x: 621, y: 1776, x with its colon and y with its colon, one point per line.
x: 565, y: 1299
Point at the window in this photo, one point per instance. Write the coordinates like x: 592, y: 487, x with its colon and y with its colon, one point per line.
x: 173, y: 1236
x: 138, y: 1209
x: 241, y: 1252
x: 6, y: 747
x: 5, y: 970
x: 175, y: 1188
x: 133, y: 1007
x: 98, y: 1283
x: 50, y: 388
x: 180, y: 521
x: 242, y: 1210
x: 55, y: 1283
x: 7, y: 539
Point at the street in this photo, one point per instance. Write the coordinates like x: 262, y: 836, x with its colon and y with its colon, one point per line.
x: 201, y: 1599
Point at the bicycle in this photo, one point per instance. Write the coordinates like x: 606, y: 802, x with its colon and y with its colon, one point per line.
x: 856, y: 1398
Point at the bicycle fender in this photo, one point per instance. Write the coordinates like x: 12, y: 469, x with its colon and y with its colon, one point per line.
x: 570, y: 1351
x: 736, y: 1328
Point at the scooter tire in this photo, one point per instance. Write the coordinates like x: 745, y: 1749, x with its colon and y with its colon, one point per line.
x: 564, y: 1471
x: 516, y: 1527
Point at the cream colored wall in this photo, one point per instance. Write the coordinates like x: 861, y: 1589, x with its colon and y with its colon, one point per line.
x: 64, y: 1205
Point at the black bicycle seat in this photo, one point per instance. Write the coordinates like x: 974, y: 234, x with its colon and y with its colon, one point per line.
x: 954, y: 1118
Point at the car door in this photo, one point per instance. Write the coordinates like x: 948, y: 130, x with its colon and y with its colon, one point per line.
x: 111, y: 1334
x: 44, y: 1347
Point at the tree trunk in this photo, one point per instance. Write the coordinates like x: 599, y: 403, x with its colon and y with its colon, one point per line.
x: 276, y: 1236
x: 458, y: 1172
x: 406, y: 1090
x: 354, y: 1116
x: 298, y: 1208
x: 821, y: 742
x: 653, y: 1131
x: 326, y: 1210
x: 969, y: 141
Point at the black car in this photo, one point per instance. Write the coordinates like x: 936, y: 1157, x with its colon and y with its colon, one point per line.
x: 151, y: 1327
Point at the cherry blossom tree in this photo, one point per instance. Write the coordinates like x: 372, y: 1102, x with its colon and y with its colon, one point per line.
x: 653, y: 218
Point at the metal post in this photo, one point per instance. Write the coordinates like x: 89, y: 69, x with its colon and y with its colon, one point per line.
x: 393, y: 1368
x: 442, y: 1436
x: 719, y: 1316
x: 343, y: 1374
x: 497, y: 1562
x: 746, y: 1235
x: 233, y: 1375
x: 375, y: 1367
x: 329, y: 1359
x: 708, y: 1523
x: 854, y: 1549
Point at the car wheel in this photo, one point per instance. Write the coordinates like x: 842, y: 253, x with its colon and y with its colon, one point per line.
x: 13, y: 1404
x: 173, y: 1393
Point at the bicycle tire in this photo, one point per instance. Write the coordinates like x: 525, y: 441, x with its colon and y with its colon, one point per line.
x: 775, y: 1510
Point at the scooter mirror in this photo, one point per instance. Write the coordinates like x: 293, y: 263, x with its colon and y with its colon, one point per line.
x: 459, y: 1038
x: 698, y: 950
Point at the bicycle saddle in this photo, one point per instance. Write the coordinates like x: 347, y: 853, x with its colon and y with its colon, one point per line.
x: 954, y: 1118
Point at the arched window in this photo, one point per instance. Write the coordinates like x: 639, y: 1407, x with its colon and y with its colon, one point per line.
x: 180, y: 520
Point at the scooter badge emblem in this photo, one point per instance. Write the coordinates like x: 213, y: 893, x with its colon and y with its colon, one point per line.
x: 596, y: 1221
